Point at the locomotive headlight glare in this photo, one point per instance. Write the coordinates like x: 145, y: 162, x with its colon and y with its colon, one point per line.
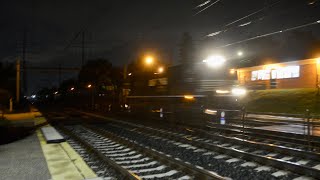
x: 239, y: 91
x: 215, y: 61
x: 219, y: 91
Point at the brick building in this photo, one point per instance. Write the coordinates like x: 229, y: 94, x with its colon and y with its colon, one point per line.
x: 286, y: 75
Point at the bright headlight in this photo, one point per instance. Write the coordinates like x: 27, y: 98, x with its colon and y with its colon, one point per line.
x: 239, y: 91
x: 222, y: 91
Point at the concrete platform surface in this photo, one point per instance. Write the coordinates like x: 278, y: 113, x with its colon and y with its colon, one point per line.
x: 64, y: 163
x: 23, y: 160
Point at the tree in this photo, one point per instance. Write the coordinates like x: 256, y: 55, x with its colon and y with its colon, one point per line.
x: 186, y: 49
x: 96, y: 72
x: 66, y: 85
x: 102, y: 75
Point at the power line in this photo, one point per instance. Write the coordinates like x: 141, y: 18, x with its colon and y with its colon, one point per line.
x: 252, y: 21
x: 272, y: 33
x: 206, y: 7
x: 202, y: 4
x: 242, y: 18
x: 253, y: 13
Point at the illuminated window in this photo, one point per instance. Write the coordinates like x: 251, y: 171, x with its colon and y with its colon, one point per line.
x: 254, y: 75
x: 279, y: 73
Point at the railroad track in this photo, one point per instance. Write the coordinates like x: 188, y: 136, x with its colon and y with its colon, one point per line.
x: 131, y: 160
x: 272, y: 164
x: 260, y: 135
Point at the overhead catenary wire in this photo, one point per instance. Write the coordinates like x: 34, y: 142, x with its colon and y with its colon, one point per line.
x: 226, y: 27
x: 253, y: 13
x: 272, y: 33
x: 206, y: 7
x: 203, y: 4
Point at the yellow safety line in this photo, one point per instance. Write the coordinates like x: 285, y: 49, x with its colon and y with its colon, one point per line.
x: 63, y: 162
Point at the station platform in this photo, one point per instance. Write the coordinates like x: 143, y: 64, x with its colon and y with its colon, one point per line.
x: 26, y: 119
x: 32, y: 158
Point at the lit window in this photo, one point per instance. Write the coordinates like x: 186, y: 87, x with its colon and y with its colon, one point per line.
x: 279, y: 73
x: 254, y: 75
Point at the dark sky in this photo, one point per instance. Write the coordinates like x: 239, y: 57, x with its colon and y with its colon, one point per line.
x: 119, y: 30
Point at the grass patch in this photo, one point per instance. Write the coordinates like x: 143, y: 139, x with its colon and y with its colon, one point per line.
x: 293, y: 101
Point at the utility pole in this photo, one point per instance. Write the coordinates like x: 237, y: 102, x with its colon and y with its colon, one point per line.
x: 24, y: 48
x: 18, y: 81
x: 82, y: 49
x: 59, y: 75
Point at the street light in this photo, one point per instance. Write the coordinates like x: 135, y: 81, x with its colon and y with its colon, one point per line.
x: 149, y: 60
x: 72, y: 88
x: 215, y: 61
x: 89, y: 86
x: 239, y: 53
x: 160, y: 70
x: 232, y: 71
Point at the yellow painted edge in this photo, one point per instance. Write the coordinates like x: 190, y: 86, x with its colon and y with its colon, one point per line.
x: 63, y: 162
x: 78, y: 161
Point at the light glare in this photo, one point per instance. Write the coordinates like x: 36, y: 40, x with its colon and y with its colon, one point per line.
x: 189, y: 97
x: 149, y: 60
x: 160, y: 70
x: 215, y: 61
x: 238, y: 91
x: 222, y: 91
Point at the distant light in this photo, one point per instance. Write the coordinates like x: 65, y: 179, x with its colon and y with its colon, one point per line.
x: 149, y: 60
x: 239, y: 91
x: 312, y: 2
x: 232, y: 71
x: 56, y: 92
x: 160, y: 70
x: 89, y: 86
x: 72, y: 89
x: 318, y: 60
x: 189, y: 97
x: 209, y: 111
x: 215, y: 61
x: 129, y: 74
x: 222, y: 91
x: 239, y: 53
x: 33, y: 96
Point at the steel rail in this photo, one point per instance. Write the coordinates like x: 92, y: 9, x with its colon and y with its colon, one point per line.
x: 125, y: 173
x: 277, y: 163
x: 297, y: 138
x: 274, y: 148
x: 169, y: 161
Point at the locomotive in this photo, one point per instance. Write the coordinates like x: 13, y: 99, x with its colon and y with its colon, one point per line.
x: 187, y: 94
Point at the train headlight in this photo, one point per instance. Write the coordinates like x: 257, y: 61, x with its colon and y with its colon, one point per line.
x: 219, y: 91
x: 239, y: 91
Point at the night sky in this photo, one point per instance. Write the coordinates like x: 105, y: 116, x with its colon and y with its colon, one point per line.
x: 121, y: 30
